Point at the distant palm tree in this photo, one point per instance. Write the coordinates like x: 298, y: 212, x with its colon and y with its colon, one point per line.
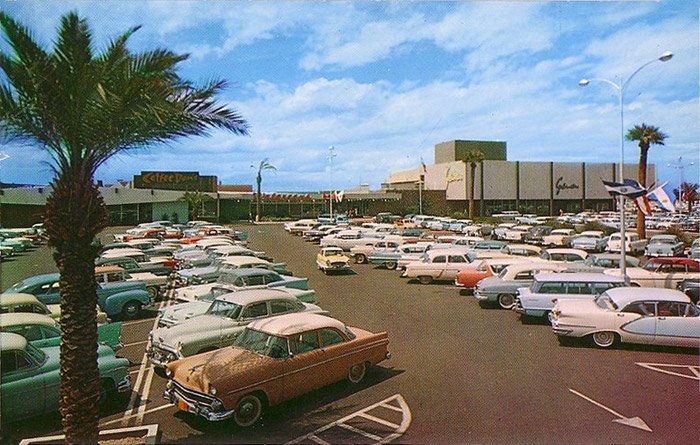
x: 264, y: 165
x: 195, y: 203
x: 647, y: 135
x: 688, y: 192
x: 473, y: 158
x: 84, y: 107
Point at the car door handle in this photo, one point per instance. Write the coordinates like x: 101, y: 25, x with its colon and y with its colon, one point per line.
x: 661, y: 318
x: 620, y: 315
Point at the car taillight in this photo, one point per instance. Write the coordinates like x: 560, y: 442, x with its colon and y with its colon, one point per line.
x: 554, y: 300
x: 556, y: 312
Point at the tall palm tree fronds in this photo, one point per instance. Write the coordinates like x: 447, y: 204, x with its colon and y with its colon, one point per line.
x: 83, y: 107
x: 647, y: 136
x: 263, y: 165
x: 195, y: 203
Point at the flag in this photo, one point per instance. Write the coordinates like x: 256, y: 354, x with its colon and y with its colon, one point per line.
x: 662, y: 195
x: 643, y: 205
x: 339, y: 196
x: 629, y: 188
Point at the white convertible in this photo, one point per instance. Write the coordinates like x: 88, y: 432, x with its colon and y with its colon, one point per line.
x: 631, y: 315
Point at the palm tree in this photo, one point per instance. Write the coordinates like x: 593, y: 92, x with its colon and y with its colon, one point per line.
x: 647, y: 135
x: 195, y: 203
x: 84, y: 107
x: 473, y: 158
x: 264, y: 165
x: 687, y: 192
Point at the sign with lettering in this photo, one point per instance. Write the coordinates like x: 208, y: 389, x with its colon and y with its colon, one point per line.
x: 175, y: 181
x: 560, y: 185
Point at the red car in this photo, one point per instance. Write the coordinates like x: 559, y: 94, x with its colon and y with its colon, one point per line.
x: 469, y: 277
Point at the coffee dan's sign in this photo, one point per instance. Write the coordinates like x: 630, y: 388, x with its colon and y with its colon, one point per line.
x: 175, y: 181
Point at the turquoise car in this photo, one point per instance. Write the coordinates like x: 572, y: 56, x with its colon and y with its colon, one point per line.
x: 122, y: 299
x: 43, y: 331
x: 30, y: 380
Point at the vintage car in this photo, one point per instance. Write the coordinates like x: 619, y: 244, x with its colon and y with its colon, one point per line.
x: 564, y: 255
x: 115, y: 274
x: 630, y: 315
x: 487, y: 246
x: 502, y: 289
x: 316, y: 233
x: 209, y: 254
x: 209, y: 274
x: 360, y: 253
x: 469, y: 277
x: 516, y: 233
x: 664, y: 245
x: 590, y: 241
x: 43, y: 331
x: 691, y: 287
x: 600, y: 261
x: 177, y: 313
x: 539, y: 298
x: 466, y: 241
x: 242, y: 278
x: 18, y: 302
x: 558, y: 237
x: 633, y: 244
x: 17, y: 244
x: 126, y: 299
x: 298, y: 227
x: 662, y: 272
x: 271, y: 361
x: 535, y: 234
x: 437, y: 265
x: 31, y: 377
x: 225, y: 318
x: 500, y: 230
x: 526, y: 250
x: 133, y: 266
x: 347, y: 239
x: 332, y: 259
x: 399, y: 257
x: 695, y: 249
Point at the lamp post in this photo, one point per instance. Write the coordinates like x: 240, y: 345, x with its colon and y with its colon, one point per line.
x: 331, y: 155
x: 3, y: 156
x: 620, y: 88
x: 680, y: 166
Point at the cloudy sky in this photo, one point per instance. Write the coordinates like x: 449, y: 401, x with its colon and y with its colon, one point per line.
x: 383, y: 82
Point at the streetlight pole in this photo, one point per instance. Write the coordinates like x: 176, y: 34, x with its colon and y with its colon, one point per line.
x: 680, y: 166
x: 331, y: 155
x: 3, y: 156
x: 620, y: 88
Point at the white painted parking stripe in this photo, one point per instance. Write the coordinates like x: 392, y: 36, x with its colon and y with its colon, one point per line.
x: 395, y: 408
x: 152, y: 410
x: 694, y: 370
x: 378, y: 420
x: 398, y: 431
x: 360, y: 432
x: 135, y: 343
x: 318, y: 440
x: 144, y: 395
x: 131, y: 323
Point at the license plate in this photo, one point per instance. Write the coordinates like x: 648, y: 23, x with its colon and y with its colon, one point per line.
x: 182, y: 405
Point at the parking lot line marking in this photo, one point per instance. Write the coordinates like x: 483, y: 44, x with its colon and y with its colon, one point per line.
x: 378, y: 420
x: 400, y: 429
x: 359, y: 431
x: 144, y: 395
x: 659, y: 367
x: 318, y: 440
x: 386, y: 405
x: 152, y: 410
x: 135, y: 343
x: 634, y: 422
x: 130, y: 323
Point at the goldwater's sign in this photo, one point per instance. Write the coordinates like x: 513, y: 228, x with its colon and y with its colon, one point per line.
x: 175, y: 181
x: 560, y: 185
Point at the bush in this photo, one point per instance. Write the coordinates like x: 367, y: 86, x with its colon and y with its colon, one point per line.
x: 594, y: 225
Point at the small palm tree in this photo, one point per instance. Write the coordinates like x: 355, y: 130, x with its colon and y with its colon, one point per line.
x: 473, y: 158
x: 84, y: 107
x: 647, y: 136
x: 688, y: 192
x: 263, y: 165
x: 195, y: 203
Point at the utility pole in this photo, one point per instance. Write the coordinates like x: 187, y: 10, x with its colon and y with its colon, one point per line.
x: 331, y: 155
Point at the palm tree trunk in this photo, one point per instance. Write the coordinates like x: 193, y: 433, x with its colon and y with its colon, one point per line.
x: 642, y: 177
x: 258, y: 180
x: 75, y: 203
x: 471, y: 190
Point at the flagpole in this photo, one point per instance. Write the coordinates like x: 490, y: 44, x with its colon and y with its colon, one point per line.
x: 331, y: 155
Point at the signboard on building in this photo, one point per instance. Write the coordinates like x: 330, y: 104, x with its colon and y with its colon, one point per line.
x: 175, y: 181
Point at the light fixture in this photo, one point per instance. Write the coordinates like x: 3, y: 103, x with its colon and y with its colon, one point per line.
x: 665, y: 57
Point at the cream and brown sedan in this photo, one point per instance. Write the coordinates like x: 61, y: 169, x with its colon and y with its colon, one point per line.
x: 271, y: 361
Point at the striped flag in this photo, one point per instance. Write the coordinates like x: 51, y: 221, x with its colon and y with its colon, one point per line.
x: 662, y: 195
x: 629, y: 188
x: 643, y: 205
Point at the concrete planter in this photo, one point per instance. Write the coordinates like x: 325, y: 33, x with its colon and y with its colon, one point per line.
x: 147, y: 435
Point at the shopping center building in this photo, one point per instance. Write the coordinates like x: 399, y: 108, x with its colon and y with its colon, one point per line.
x: 544, y: 188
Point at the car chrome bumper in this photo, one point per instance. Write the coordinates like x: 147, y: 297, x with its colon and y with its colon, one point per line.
x: 196, y: 408
x: 158, y: 359
x: 124, y: 385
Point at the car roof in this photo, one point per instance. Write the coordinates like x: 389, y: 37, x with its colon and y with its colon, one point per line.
x: 244, y: 297
x: 10, y: 341
x: 663, y: 236
x: 25, y: 318
x: 566, y: 250
x: 237, y: 260
x: 290, y: 324
x: 537, y: 265
x: 624, y: 295
x: 673, y: 260
x: 579, y: 276
x: 108, y: 269
x: 8, y: 299
x: 41, y: 279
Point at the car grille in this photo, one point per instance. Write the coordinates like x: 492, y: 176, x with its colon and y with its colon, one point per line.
x: 193, y: 396
x: 338, y: 265
x: 162, y: 355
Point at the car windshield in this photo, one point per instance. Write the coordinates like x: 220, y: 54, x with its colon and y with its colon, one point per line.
x: 17, y: 286
x: 502, y: 274
x: 604, y: 302
x: 36, y: 354
x: 663, y: 241
x: 215, y: 293
x: 224, y: 309
x: 262, y: 343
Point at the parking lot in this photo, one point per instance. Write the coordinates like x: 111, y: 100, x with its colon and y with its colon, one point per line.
x: 459, y: 373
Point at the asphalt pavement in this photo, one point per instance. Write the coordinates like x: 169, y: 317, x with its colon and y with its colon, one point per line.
x: 459, y: 373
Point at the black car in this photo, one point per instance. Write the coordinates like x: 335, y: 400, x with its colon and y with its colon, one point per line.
x: 691, y: 287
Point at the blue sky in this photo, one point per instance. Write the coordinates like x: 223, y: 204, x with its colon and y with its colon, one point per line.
x: 383, y: 82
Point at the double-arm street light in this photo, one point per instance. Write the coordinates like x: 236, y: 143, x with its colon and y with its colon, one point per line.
x: 680, y: 166
x: 620, y: 88
x: 331, y: 155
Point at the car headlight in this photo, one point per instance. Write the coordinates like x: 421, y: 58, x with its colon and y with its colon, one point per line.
x: 168, y: 372
x: 212, y: 390
x: 179, y: 347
